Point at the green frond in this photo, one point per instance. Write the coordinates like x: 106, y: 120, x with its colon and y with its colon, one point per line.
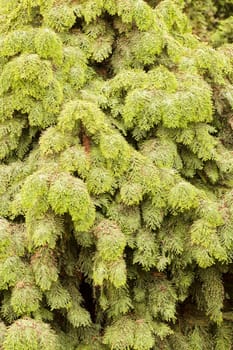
x: 142, y: 109
x: 90, y: 10
x: 10, y: 133
x: 68, y: 194
x: 131, y: 193
x: 83, y: 235
x: 16, y: 42
x: 118, y: 273
x: 183, y: 280
x: 204, y: 234
x: 44, y: 231
x: 202, y: 257
x: 58, y: 297
x: 223, y: 338
x: 53, y: 98
x: 43, y: 314
x: 224, y: 159
x: 116, y: 302
x: 213, y: 291
x: 48, y: 45
x: 162, y: 299
x: 199, y: 339
x: 137, y: 49
x: 120, y: 335
x: 162, y: 330
x: 78, y: 316
x: 208, y: 61
x: 113, y: 146
x: 23, y: 69
x: 205, y: 144
x: 7, y: 312
x: 114, y: 271
x: 171, y: 13
x: 25, y: 298
x: 172, y: 237
x: 152, y: 214
x: 110, y: 241
x: 38, y: 336
x: 191, y: 163
x: 143, y: 15
x: 36, y: 188
x: 54, y: 141
x: 143, y: 335
x: 12, y: 269
x: 124, y: 81
x: 38, y: 116
x: 162, y: 152
x: 86, y: 112
x: 14, y: 239
x: 183, y: 196
x: 75, y: 159
x: 71, y: 57
x: 102, y: 39
x: 147, y: 250
x: 44, y: 267
x: 59, y: 18
x: 87, y: 221
x: 6, y: 108
x: 211, y: 212
x: 100, y: 180
x: 162, y: 79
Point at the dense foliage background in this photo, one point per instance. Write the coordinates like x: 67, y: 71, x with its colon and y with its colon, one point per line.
x: 116, y: 175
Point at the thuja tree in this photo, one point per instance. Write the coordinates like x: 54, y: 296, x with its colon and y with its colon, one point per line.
x: 116, y: 178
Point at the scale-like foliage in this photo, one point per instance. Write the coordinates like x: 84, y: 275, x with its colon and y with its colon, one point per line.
x: 116, y: 175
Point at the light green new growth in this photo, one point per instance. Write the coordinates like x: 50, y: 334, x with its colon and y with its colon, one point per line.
x: 116, y: 210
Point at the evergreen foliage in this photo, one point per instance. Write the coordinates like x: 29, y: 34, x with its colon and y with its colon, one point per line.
x: 116, y: 175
